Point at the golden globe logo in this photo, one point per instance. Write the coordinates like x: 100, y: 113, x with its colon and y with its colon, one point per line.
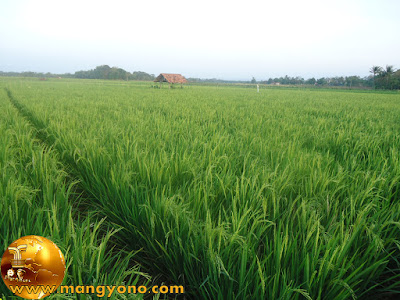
x: 30, y: 264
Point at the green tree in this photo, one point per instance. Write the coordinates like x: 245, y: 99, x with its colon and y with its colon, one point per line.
x: 375, y: 70
x: 311, y: 81
x: 389, y: 71
x: 396, y: 80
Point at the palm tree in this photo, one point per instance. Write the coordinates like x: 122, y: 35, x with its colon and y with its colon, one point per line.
x: 375, y: 70
x: 389, y: 71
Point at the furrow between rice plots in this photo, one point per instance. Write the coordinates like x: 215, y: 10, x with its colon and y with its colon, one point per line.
x: 284, y: 194
x: 37, y: 197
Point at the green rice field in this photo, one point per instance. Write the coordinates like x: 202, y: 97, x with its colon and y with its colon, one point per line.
x: 288, y: 193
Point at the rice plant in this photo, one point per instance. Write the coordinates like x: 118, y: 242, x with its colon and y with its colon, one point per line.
x: 36, y: 197
x: 284, y: 194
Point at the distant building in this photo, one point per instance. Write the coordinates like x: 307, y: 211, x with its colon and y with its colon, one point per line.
x: 170, y: 78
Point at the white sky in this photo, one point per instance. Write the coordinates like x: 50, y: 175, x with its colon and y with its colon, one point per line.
x: 208, y: 38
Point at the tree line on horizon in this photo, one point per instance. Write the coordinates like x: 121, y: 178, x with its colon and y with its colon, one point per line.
x: 113, y: 73
x: 100, y: 72
x: 385, y: 78
x: 381, y: 78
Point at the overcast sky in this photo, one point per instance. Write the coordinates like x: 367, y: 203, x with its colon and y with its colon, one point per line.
x: 221, y: 39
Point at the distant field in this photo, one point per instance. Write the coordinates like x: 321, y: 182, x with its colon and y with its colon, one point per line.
x: 282, y: 194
